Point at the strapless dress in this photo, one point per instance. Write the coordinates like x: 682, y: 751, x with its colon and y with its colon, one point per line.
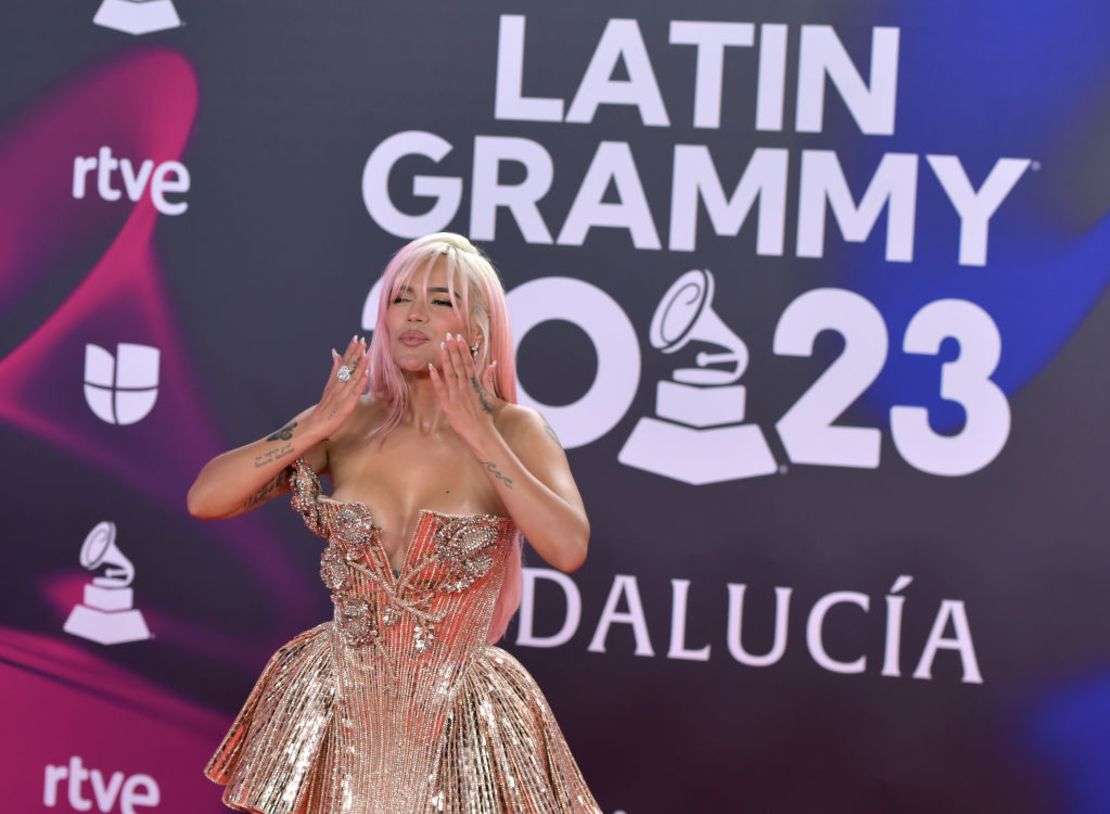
x: 398, y: 704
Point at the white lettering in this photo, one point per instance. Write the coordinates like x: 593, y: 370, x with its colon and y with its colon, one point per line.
x: 614, y: 339
x: 139, y: 790
x: 815, y: 631
x: 81, y: 169
x: 487, y: 193
x: 975, y: 208
x: 950, y: 609
x: 106, y: 166
x: 695, y: 178
x: 526, y: 635
x: 894, y: 183
x: 620, y: 40
x: 678, y: 648
x: 771, y: 90
x: 509, y: 100
x: 871, y: 105
x: 623, y: 586
x: 447, y: 192
x: 162, y: 182
x: 611, y: 163
x: 77, y: 776
x: 132, y: 183
x: 710, y: 39
x: 735, y: 634
x: 54, y: 776
x: 893, y: 644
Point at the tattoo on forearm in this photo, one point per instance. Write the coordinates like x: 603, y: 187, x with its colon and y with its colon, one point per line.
x: 284, y: 434
x: 272, y: 455
x: 273, y: 487
x: 481, y: 394
x: 492, y: 467
x: 551, y: 432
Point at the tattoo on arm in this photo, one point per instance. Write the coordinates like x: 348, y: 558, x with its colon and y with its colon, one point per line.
x: 551, y: 433
x: 275, y: 486
x: 481, y: 394
x: 272, y: 455
x: 284, y: 434
x: 492, y: 467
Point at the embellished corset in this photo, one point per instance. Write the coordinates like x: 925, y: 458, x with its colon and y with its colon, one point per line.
x: 447, y: 555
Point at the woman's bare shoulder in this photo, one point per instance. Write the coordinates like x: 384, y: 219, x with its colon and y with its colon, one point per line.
x: 517, y: 422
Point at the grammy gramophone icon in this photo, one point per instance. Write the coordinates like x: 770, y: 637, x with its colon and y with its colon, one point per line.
x: 699, y: 436
x: 137, y: 16
x: 106, y: 616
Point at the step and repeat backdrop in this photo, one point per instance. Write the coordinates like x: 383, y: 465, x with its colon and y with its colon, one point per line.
x: 813, y: 294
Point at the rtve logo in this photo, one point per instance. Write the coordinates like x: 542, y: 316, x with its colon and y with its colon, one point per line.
x: 167, y: 177
x: 137, y: 16
x: 121, y: 389
x: 138, y: 790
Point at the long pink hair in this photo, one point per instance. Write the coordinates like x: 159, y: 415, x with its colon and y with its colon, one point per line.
x: 483, y: 300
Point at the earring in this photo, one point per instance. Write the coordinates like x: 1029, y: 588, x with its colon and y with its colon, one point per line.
x: 474, y: 350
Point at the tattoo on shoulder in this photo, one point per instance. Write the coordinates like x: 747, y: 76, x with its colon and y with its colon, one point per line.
x: 481, y: 394
x: 284, y: 434
x: 272, y: 455
x: 547, y: 428
x: 492, y: 467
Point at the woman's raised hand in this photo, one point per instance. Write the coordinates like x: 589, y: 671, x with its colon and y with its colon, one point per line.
x: 467, y: 401
x: 340, y: 397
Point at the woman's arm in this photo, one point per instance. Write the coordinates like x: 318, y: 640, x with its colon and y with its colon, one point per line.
x: 240, y: 480
x: 521, y: 456
x: 243, y: 479
x: 526, y: 464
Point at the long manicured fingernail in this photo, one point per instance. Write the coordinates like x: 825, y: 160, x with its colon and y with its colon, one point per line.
x: 334, y: 354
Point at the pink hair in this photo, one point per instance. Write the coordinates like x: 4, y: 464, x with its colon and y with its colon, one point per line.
x: 483, y: 300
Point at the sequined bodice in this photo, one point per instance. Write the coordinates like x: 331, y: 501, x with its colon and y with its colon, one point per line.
x: 446, y: 558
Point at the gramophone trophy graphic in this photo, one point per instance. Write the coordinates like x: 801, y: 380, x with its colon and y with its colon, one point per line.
x: 699, y: 436
x: 137, y: 16
x: 106, y: 616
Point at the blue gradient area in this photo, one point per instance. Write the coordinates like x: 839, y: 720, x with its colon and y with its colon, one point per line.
x: 983, y: 81
x: 1070, y: 732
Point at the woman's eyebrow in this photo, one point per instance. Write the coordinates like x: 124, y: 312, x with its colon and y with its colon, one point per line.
x: 408, y: 289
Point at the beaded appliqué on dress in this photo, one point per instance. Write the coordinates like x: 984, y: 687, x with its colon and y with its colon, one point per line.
x: 462, y: 553
x: 464, y: 545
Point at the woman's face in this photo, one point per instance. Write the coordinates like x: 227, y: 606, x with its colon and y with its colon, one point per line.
x: 419, y: 318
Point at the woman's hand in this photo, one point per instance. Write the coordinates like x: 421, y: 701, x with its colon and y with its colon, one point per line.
x: 339, y: 398
x: 467, y: 401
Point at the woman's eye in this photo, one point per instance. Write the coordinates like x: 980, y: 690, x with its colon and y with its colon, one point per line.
x: 402, y: 298
x: 448, y: 303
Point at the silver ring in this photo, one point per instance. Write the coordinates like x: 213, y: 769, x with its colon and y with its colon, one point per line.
x: 343, y: 374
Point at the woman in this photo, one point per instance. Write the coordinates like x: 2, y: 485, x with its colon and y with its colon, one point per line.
x: 401, y: 703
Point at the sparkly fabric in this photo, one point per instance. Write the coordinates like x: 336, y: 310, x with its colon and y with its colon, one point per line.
x: 398, y: 705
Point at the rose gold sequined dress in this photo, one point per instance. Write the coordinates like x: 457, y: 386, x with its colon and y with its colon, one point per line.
x: 398, y: 705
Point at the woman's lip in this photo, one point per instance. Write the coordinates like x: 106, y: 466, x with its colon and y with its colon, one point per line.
x: 412, y: 338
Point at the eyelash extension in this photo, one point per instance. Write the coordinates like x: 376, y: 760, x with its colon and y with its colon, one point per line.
x: 401, y: 298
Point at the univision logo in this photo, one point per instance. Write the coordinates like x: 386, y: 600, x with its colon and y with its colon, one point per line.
x: 137, y: 16
x: 121, y: 389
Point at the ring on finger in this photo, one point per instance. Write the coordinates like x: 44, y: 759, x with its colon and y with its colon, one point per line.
x: 343, y: 374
